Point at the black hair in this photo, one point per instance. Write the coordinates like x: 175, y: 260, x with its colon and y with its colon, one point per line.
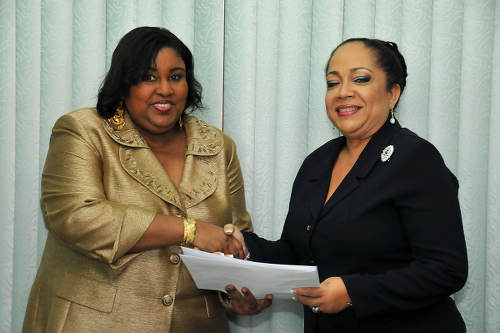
x: 132, y: 59
x: 389, y: 59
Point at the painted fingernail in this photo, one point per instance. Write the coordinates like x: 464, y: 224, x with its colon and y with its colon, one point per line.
x: 294, y: 298
x: 292, y: 292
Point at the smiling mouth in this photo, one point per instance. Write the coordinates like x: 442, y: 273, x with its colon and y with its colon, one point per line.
x: 162, y: 107
x: 347, y: 111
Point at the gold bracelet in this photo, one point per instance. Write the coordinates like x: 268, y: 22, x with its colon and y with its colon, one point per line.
x: 189, y: 232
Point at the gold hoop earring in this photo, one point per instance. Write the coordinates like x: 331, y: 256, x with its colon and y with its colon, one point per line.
x: 181, y: 123
x: 117, y: 121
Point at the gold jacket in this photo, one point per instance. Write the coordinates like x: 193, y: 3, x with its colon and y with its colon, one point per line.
x: 101, y: 189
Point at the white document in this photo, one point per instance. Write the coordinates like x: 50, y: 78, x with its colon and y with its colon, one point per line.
x: 214, y: 272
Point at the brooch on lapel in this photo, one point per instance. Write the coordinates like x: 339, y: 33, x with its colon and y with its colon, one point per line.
x: 386, y: 153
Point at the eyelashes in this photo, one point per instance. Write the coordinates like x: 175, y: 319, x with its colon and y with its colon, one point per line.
x: 152, y: 77
x: 358, y: 79
x: 331, y: 84
x: 362, y: 79
x: 149, y: 78
x: 175, y: 77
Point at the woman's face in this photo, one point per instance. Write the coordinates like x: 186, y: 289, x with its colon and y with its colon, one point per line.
x: 357, y: 100
x: 156, y: 103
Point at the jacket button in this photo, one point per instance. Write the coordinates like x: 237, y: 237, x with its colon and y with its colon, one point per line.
x: 312, y: 262
x: 175, y: 259
x: 308, y: 227
x: 167, y: 300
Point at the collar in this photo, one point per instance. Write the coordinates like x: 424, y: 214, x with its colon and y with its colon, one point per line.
x: 371, y: 154
x: 199, y: 179
x: 369, y: 157
x: 202, y: 139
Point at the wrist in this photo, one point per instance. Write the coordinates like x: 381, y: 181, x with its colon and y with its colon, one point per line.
x: 225, y: 300
x: 189, y: 232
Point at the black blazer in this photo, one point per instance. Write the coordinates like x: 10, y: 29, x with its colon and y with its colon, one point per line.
x: 392, y: 230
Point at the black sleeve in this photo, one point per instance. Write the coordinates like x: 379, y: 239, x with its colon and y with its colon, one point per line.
x: 263, y: 250
x: 281, y: 251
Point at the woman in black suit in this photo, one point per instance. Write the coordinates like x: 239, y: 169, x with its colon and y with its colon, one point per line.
x: 375, y: 209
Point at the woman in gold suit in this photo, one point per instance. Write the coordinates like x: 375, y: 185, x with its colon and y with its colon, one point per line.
x: 126, y: 183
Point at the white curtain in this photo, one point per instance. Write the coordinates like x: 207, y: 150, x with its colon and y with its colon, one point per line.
x: 261, y: 65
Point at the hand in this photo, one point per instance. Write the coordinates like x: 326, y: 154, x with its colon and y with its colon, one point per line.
x: 246, y: 303
x: 331, y: 296
x: 231, y: 229
x: 212, y: 238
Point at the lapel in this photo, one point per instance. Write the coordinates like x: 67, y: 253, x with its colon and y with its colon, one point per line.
x: 198, y: 179
x: 320, y: 173
x: 140, y: 163
x: 369, y: 157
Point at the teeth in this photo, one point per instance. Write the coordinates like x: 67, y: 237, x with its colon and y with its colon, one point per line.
x: 163, y: 105
x: 348, y: 109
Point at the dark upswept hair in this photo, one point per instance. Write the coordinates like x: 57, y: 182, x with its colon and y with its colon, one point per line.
x: 389, y: 59
x: 132, y: 59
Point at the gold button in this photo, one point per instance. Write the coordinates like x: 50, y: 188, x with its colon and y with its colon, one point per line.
x: 167, y: 300
x: 308, y: 228
x: 175, y: 259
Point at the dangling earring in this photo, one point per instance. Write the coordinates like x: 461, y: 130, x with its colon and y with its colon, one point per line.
x: 392, y: 120
x: 181, y: 123
x: 117, y: 121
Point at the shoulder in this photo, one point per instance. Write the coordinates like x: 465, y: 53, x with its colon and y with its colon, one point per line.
x: 419, y: 159
x: 85, y: 126
x: 80, y: 119
x: 413, y: 146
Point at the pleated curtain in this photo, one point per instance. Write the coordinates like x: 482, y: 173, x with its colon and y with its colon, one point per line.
x: 261, y: 64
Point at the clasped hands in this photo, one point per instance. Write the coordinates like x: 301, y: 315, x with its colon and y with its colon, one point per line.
x: 209, y: 238
x: 330, y: 297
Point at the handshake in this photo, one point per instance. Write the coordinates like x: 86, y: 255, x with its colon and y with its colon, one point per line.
x: 210, y: 238
x: 229, y: 240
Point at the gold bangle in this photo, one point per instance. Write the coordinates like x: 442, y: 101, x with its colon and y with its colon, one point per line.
x: 189, y: 232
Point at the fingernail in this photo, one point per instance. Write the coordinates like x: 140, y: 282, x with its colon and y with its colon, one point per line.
x: 294, y: 298
x: 292, y: 291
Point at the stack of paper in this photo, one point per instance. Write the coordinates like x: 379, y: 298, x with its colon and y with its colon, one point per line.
x: 214, y: 272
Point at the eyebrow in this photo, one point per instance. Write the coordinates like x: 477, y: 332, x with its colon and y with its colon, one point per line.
x: 352, y: 70
x: 154, y: 69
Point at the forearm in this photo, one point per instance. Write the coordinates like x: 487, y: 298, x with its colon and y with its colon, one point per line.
x: 264, y: 250
x: 163, y: 231
x: 409, y: 288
